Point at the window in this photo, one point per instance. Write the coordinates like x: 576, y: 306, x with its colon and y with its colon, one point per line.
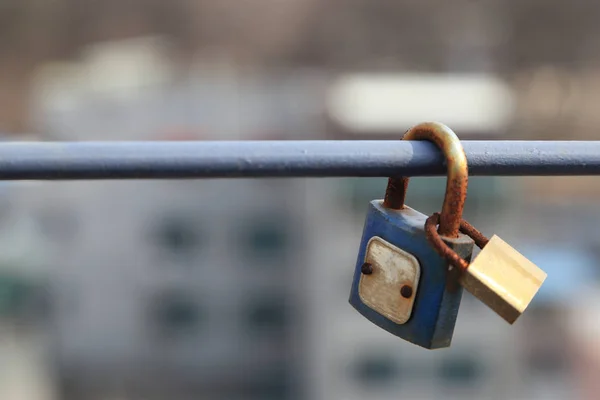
x: 15, y: 292
x: 272, y: 385
x: 57, y: 223
x: 376, y: 369
x: 426, y: 192
x: 460, y: 370
x: 543, y: 347
x: 547, y: 361
x: 267, y: 314
x: 173, y: 313
x: 177, y: 235
x: 266, y: 237
x: 356, y: 193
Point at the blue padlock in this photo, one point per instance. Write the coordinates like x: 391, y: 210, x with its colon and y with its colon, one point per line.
x: 401, y: 283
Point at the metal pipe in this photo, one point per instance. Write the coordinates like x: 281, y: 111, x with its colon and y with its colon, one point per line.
x: 173, y: 160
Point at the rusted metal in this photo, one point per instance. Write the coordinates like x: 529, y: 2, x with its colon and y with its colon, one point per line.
x: 458, y: 176
x: 406, y: 291
x: 480, y: 240
x: 366, y: 268
x: 433, y: 236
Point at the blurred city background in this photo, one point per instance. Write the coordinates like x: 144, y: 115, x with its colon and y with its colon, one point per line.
x: 238, y: 289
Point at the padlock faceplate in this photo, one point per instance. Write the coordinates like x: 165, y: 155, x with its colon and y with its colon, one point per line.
x: 436, y: 304
x: 393, y: 269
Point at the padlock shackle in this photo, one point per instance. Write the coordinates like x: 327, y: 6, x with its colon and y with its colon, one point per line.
x: 443, y: 249
x: 457, y: 182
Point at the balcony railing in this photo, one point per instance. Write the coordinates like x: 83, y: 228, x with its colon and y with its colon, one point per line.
x: 245, y: 159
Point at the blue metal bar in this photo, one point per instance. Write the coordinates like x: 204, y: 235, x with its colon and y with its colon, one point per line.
x: 173, y: 160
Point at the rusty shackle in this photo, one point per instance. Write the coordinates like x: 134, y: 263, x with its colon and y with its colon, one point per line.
x: 458, y: 176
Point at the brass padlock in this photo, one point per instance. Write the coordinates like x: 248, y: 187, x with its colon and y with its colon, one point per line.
x: 500, y: 276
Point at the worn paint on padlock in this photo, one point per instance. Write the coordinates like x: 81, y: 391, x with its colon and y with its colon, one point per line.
x: 438, y: 295
x: 389, y: 268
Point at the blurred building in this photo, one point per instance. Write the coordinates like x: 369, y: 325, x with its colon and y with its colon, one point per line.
x: 173, y: 288
x: 239, y: 289
x: 181, y: 287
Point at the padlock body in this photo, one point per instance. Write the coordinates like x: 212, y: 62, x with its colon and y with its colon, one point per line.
x: 503, y: 279
x: 438, y: 295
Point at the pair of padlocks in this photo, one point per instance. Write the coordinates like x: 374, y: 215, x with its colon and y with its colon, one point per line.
x: 410, y: 273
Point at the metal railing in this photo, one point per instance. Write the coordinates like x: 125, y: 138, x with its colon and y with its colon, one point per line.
x: 230, y: 159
